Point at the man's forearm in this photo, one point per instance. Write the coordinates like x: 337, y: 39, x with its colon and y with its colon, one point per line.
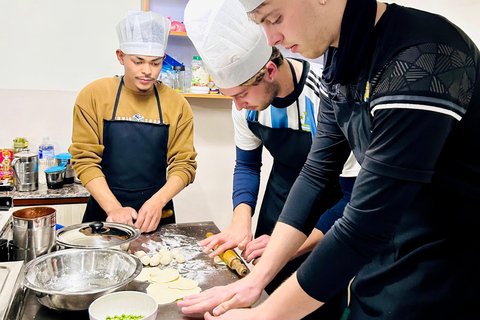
x: 283, y: 243
x: 100, y: 190
x: 313, y: 239
x: 289, y: 301
x: 171, y: 188
x: 242, y: 215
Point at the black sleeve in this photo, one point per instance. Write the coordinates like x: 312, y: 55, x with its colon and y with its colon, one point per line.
x: 409, y: 130
x: 319, y: 175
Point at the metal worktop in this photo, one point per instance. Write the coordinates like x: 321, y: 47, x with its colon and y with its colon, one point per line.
x: 198, y: 266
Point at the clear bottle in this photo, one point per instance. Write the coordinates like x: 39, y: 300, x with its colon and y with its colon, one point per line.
x: 200, y: 77
x: 179, y: 84
x: 46, y: 158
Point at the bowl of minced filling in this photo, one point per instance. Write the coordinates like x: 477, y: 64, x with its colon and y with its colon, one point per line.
x: 124, y: 305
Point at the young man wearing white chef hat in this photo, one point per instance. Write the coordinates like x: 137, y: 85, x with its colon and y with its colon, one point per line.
x: 407, y: 101
x: 132, y: 142
x: 275, y: 104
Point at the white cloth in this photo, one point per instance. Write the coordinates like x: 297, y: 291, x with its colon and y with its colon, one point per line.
x: 251, y: 5
x: 143, y: 33
x: 232, y: 47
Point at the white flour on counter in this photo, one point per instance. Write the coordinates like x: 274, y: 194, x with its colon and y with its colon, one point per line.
x: 197, y: 266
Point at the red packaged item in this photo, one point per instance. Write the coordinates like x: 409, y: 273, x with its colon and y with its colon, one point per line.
x: 6, y: 170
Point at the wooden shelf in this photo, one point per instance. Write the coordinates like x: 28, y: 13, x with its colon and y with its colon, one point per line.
x: 206, y: 96
x: 178, y: 33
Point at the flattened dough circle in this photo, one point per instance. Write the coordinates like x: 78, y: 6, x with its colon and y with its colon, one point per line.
x: 164, y: 276
x: 183, y: 284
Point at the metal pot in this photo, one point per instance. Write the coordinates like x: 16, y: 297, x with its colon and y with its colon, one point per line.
x: 94, y: 235
x: 33, y: 232
x: 72, y: 279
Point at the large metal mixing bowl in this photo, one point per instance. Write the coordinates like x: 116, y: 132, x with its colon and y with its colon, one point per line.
x: 72, y: 279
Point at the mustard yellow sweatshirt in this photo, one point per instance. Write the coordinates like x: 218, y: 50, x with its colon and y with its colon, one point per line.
x: 95, y: 103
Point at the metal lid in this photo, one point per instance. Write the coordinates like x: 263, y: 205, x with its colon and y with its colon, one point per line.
x: 97, y: 235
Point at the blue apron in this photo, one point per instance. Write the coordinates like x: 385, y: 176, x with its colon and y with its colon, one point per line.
x: 134, y: 162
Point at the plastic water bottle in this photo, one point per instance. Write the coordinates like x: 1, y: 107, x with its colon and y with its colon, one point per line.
x: 46, y: 158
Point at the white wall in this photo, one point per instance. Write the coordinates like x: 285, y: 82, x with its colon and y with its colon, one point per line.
x: 463, y: 13
x: 39, y: 82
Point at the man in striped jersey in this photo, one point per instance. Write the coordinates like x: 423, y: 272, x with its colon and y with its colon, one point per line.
x: 275, y: 105
x: 407, y: 100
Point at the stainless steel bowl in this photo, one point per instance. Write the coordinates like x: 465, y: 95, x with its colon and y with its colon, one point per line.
x: 72, y: 279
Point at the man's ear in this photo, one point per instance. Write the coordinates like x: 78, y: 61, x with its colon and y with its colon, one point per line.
x: 120, y: 56
x: 272, y: 70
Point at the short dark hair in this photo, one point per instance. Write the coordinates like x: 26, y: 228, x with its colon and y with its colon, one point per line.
x: 276, y: 57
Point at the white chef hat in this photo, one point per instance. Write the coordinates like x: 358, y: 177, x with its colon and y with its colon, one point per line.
x: 232, y: 47
x: 251, y: 5
x: 143, y: 33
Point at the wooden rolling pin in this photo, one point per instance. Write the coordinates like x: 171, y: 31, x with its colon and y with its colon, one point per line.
x: 167, y: 213
x: 232, y: 260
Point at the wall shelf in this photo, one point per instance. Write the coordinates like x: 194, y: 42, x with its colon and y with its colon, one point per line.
x: 206, y: 96
x: 178, y: 33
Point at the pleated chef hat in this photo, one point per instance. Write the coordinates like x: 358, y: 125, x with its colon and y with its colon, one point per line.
x: 143, y: 33
x: 232, y: 47
x: 251, y: 5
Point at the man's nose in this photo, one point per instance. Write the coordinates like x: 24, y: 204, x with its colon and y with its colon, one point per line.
x: 239, y: 104
x: 273, y: 36
x: 147, y: 69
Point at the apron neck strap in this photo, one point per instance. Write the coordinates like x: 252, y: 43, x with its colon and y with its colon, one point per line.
x: 119, y: 91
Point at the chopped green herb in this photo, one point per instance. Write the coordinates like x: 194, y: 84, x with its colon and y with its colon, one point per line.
x: 125, y: 317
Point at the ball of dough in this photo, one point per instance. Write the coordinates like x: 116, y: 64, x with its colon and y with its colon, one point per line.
x: 180, y: 258
x: 145, y: 260
x: 163, y: 250
x: 155, y: 260
x: 168, y: 254
x: 165, y: 260
x: 175, y: 252
x: 140, y: 253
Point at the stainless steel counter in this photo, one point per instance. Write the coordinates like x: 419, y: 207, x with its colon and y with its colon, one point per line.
x: 198, y: 266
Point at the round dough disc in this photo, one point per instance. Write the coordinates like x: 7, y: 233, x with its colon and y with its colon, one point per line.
x: 144, y: 275
x: 162, y: 293
x: 184, y: 293
x: 165, y: 275
x: 183, y: 284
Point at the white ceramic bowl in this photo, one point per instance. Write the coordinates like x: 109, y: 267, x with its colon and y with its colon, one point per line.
x: 124, y: 302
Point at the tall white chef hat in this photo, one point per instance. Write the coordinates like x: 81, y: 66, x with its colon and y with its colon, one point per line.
x: 232, y: 47
x: 251, y: 5
x: 143, y: 33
